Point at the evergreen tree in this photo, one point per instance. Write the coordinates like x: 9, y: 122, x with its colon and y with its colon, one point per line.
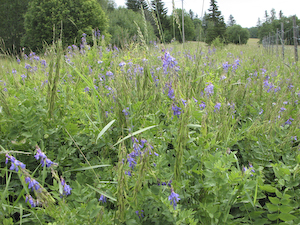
x: 280, y: 14
x: 135, y: 5
x: 160, y: 12
x: 267, y: 19
x: 273, y: 15
x: 191, y: 13
x: 231, y: 21
x: 258, y: 22
x: 216, y: 25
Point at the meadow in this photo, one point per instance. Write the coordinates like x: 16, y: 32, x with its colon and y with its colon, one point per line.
x: 150, y: 134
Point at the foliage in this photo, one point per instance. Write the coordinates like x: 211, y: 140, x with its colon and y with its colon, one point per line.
x: 135, y: 5
x: 173, y: 134
x: 189, y: 28
x: 12, y: 24
x: 216, y: 26
x: 46, y: 21
x: 237, y: 35
x: 123, y: 29
x: 253, y: 32
x: 231, y: 21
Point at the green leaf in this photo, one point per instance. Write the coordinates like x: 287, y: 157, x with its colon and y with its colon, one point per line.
x: 105, y: 129
x: 102, y: 193
x: 285, y: 208
x: 272, y: 208
x: 87, y: 168
x: 278, y: 194
x: 194, y: 125
x: 286, y: 217
x: 274, y: 200
x: 135, y: 133
x: 272, y: 216
x: 268, y: 188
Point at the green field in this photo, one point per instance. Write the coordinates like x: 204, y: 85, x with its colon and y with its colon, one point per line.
x: 175, y: 134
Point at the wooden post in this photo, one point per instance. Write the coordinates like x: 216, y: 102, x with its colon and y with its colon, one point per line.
x: 295, y: 38
x: 277, y: 42
x: 282, y: 40
x: 269, y: 42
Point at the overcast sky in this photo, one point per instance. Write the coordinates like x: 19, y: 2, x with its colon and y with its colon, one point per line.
x: 245, y: 12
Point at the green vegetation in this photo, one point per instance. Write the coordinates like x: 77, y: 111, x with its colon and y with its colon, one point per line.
x: 237, y: 35
x: 164, y: 134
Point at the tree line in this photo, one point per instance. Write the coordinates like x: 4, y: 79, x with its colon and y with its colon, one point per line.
x: 32, y: 24
x: 270, y: 23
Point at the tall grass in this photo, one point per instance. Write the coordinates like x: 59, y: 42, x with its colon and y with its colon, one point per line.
x: 133, y: 128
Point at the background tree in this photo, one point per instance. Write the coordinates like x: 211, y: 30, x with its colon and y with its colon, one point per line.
x: 76, y: 16
x: 267, y: 19
x: 253, y: 32
x: 216, y: 25
x: 123, y: 29
x: 280, y: 14
x: 273, y: 15
x: 160, y: 12
x: 231, y: 21
x: 12, y: 24
x: 237, y: 35
x: 135, y: 5
x: 189, y: 28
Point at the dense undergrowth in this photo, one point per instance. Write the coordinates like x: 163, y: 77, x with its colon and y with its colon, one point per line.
x: 160, y: 135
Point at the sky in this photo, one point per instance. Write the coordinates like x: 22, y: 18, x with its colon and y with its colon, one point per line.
x: 245, y: 12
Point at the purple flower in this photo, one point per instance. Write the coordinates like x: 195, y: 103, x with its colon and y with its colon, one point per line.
x: 41, y: 155
x: 15, y: 164
x: 209, y: 89
x: 217, y: 106
x: 176, y: 110
x: 173, y: 198
x: 31, y: 201
x: 202, y: 105
x: 121, y: 64
x: 102, y: 199
x: 261, y: 112
x: 109, y: 73
x: 67, y: 188
x: 126, y: 111
x: 168, y: 62
x: 289, y: 121
x: 138, y: 213
x: 27, y: 66
x: 33, y: 184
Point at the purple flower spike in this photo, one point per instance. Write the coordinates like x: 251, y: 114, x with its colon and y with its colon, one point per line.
x: 173, y: 198
x: 209, y: 89
x: 217, y: 106
x: 102, y: 199
x: 67, y: 188
x: 33, y: 184
x: 31, y: 201
x: 176, y: 110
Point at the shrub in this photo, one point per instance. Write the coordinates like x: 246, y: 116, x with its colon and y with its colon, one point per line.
x: 46, y: 21
x: 237, y: 35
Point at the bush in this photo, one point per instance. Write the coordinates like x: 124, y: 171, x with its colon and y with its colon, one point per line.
x: 122, y: 27
x: 46, y: 21
x: 237, y: 35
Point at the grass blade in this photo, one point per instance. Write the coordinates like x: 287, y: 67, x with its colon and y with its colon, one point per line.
x: 105, y: 129
x: 135, y: 133
x: 87, y: 168
x: 102, y: 193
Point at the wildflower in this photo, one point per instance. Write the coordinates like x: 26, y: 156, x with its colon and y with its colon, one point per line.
x: 86, y: 89
x: 261, y: 112
x: 27, y: 66
x: 15, y: 164
x: 225, y: 66
x: 128, y: 173
x: 168, y: 62
x: 176, y: 110
x: 251, y: 166
x: 102, y: 199
x: 126, y: 111
x: 171, y: 92
x: 33, y: 184
x: 31, y: 201
x: 109, y: 73
x: 44, y: 158
x: 14, y: 71
x: 121, y: 64
x: 202, y: 105
x: 285, y: 102
x: 67, y: 188
x: 217, y: 106
x: 294, y: 138
x: 282, y: 109
x: 289, y: 121
x: 223, y: 77
x: 209, y: 89
x: 173, y: 198
x: 183, y: 102
x: 43, y: 62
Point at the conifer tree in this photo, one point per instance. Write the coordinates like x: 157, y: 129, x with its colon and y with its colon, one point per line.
x: 216, y: 25
x: 135, y: 5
